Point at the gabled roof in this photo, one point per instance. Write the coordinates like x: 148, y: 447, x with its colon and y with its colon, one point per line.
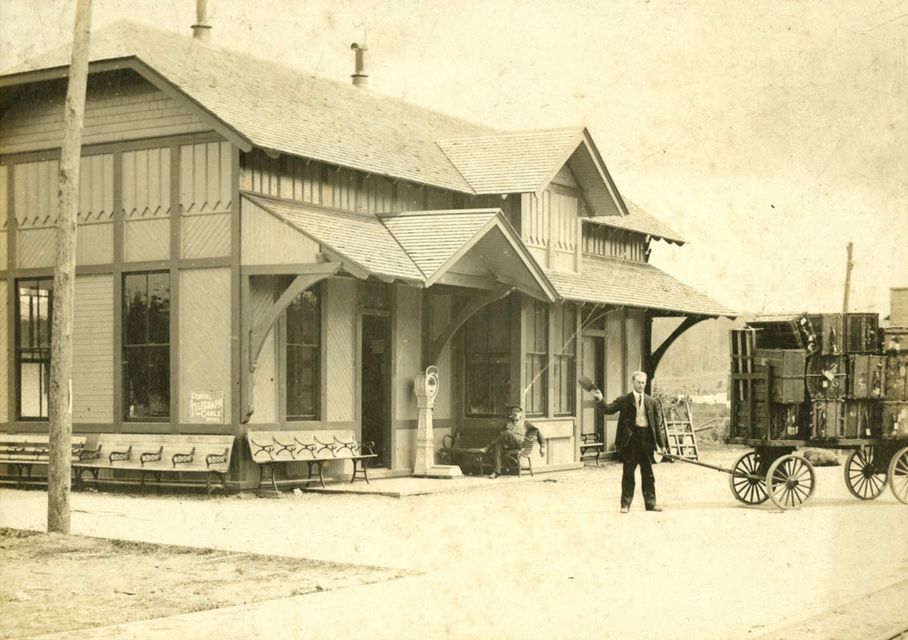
x: 519, y: 162
x: 438, y: 240
x: 640, y: 221
x: 634, y: 284
x: 418, y: 247
x: 351, y: 237
x: 284, y: 110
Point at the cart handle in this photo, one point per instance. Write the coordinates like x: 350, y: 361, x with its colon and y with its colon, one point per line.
x: 730, y: 472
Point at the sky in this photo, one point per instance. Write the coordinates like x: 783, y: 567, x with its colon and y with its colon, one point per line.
x: 768, y: 134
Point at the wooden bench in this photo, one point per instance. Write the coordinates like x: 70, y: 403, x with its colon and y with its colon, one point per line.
x: 591, y: 446
x: 155, y: 456
x: 271, y: 450
x: 22, y: 451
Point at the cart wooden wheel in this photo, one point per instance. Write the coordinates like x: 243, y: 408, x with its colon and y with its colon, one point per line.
x: 898, y: 475
x: 748, y: 490
x: 790, y: 482
x: 863, y: 478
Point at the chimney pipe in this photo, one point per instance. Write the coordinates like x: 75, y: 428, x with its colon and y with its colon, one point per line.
x: 201, y: 30
x: 360, y: 78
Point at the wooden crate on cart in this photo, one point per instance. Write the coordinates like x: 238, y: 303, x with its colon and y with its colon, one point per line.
x: 861, y: 332
x: 866, y: 377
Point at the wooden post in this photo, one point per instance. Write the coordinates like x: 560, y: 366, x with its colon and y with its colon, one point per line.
x: 59, y: 466
x: 848, y: 266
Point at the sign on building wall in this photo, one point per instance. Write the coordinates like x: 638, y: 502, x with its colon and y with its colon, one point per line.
x: 206, y: 406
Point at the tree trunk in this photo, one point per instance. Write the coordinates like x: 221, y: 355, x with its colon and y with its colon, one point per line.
x: 59, y: 468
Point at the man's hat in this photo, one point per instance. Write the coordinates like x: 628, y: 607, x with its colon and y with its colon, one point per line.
x: 514, y: 410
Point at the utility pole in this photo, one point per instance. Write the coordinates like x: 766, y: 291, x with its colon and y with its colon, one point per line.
x: 849, y: 264
x: 59, y: 467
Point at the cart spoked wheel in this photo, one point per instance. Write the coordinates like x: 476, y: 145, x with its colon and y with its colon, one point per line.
x: 863, y: 478
x: 748, y: 490
x: 790, y: 482
x: 898, y: 475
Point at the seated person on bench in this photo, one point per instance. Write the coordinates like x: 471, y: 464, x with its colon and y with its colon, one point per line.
x: 511, y: 437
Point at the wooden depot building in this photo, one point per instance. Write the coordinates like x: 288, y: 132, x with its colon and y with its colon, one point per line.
x: 262, y: 249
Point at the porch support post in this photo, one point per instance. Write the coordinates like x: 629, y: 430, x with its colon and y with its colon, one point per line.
x: 653, y: 358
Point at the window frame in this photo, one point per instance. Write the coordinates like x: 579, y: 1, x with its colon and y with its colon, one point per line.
x: 565, y: 363
x: 499, y: 359
x: 43, y: 362
x: 536, y: 359
x: 315, y: 348
x: 127, y: 347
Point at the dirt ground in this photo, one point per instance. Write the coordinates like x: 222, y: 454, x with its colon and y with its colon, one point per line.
x: 52, y: 582
x: 712, y: 568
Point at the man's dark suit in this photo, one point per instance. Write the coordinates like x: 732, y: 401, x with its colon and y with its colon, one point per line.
x: 636, y: 445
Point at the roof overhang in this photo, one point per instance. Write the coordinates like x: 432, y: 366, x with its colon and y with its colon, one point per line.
x: 623, y: 283
x: 145, y: 71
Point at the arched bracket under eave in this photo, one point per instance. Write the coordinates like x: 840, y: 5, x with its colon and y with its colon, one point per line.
x: 466, y: 312
x: 258, y: 334
x: 656, y: 356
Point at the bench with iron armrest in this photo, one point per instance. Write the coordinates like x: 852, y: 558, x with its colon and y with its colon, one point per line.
x: 164, y: 459
x: 591, y: 446
x: 470, y: 450
x: 467, y: 450
x: 22, y: 451
x: 271, y: 450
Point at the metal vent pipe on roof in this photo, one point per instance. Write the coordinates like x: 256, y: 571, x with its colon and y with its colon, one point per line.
x: 201, y: 30
x: 360, y: 77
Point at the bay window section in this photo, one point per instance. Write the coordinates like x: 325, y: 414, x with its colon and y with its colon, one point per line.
x: 487, y: 347
x: 537, y: 338
x: 34, y: 301
x: 146, y: 345
x: 303, y: 354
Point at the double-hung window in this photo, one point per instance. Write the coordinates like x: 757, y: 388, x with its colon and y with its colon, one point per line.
x: 146, y: 345
x: 303, y: 353
x: 34, y: 300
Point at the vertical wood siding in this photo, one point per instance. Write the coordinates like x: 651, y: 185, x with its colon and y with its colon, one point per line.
x: 204, y: 336
x: 119, y: 105
x: 146, y: 183
x: 614, y: 243
x: 407, y: 352
x: 93, y: 350
x: 340, y: 362
x: 4, y: 361
x: 205, y: 199
x: 264, y: 399
x: 441, y: 315
x: 35, y: 192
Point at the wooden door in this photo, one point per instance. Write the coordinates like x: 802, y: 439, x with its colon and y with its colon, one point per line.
x: 591, y: 367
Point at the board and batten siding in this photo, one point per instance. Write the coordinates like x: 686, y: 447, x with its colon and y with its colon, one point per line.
x: 93, y: 354
x: 119, y: 106
x: 205, y: 199
x: 4, y: 361
x: 204, y: 336
x: 407, y: 365
x: 340, y: 361
x: 146, y: 204
x: 35, y: 208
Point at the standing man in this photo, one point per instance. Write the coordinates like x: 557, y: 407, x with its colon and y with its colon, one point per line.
x: 639, y: 433
x: 511, y: 437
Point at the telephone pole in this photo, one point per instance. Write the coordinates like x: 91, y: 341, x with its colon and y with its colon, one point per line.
x: 59, y: 466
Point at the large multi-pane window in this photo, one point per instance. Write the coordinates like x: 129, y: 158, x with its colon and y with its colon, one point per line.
x: 566, y: 360
x: 487, y: 344
x: 537, y: 338
x: 303, y: 332
x: 146, y: 345
x: 33, y: 346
